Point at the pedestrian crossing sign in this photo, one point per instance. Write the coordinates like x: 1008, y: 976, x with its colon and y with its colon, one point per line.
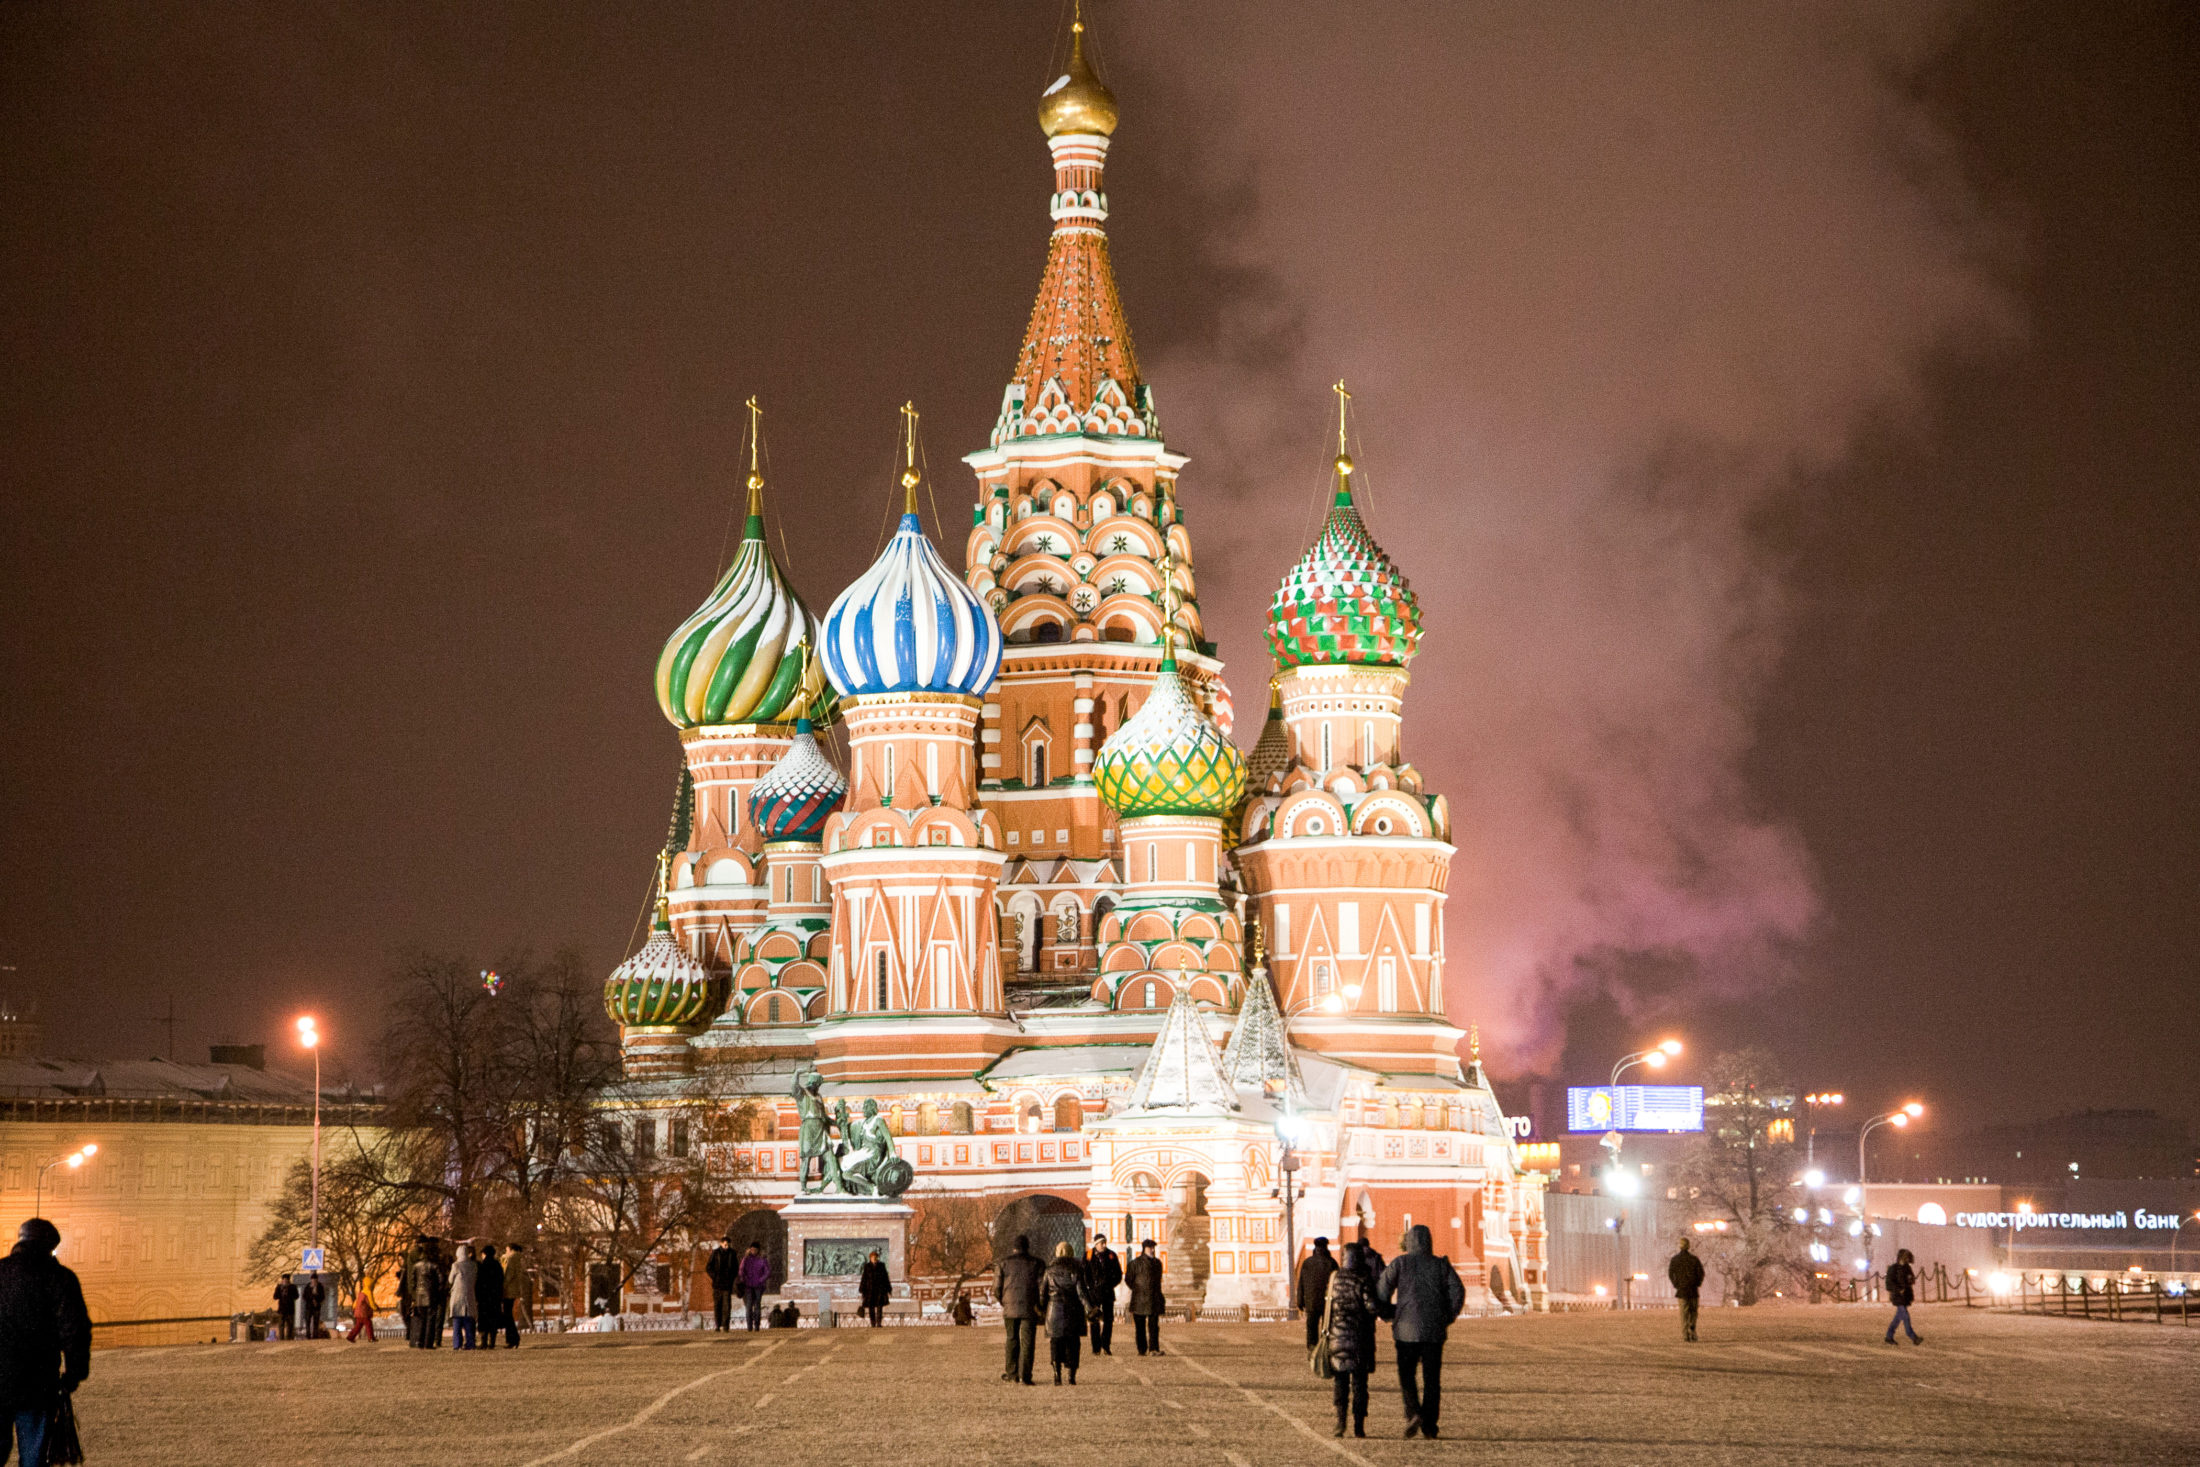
x: 314, y: 1260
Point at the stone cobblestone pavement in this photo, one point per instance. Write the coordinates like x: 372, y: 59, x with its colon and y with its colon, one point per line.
x: 1787, y: 1385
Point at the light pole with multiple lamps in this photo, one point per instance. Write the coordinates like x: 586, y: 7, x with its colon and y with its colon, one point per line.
x: 1896, y: 1118
x: 310, y: 1037
x: 1652, y: 1058
x: 72, y: 1161
x: 1810, y: 1145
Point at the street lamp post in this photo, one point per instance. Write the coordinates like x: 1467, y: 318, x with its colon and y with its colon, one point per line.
x: 1810, y: 1145
x: 1896, y: 1118
x: 1288, y: 1130
x: 2182, y: 1223
x: 74, y: 1160
x: 310, y: 1037
x: 1654, y: 1058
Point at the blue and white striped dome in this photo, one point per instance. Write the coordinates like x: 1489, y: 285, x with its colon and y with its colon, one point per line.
x: 910, y: 625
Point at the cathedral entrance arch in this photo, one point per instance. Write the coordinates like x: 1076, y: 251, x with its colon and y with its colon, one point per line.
x: 767, y: 1228
x: 1046, y: 1220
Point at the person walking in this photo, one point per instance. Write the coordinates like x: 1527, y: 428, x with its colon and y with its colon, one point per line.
x: 1062, y: 1294
x: 1686, y: 1274
x: 519, y: 1296
x: 723, y: 1269
x: 463, y: 1304
x: 286, y: 1309
x: 1147, y: 1304
x: 362, y: 1316
x: 1313, y: 1290
x: 1016, y: 1286
x: 754, y: 1277
x: 489, y: 1293
x: 1352, y: 1314
x: 1423, y: 1295
x: 874, y: 1289
x: 1902, y: 1293
x: 312, y: 1299
x: 45, y: 1339
x: 1103, y: 1276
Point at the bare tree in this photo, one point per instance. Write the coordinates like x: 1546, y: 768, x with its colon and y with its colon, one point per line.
x: 952, y: 1236
x: 365, y: 1224
x: 1743, y: 1177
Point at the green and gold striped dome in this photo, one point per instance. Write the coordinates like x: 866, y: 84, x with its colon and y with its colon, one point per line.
x: 1168, y: 758
x: 748, y: 654
x: 662, y: 985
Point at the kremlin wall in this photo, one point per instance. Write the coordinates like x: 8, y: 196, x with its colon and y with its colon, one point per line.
x: 1079, y: 947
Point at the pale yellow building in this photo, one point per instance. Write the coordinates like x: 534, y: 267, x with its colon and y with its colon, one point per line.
x: 158, y: 1223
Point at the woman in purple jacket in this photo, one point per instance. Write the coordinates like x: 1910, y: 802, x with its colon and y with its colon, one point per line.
x: 755, y: 1278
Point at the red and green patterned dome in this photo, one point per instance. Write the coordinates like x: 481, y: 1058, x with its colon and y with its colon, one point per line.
x: 1345, y: 601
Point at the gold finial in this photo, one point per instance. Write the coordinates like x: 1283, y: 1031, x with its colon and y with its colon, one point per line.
x: 756, y: 477
x: 1344, y: 460
x: 664, y: 883
x: 1474, y: 1042
x: 1170, y: 603
x: 1077, y: 102
x: 1260, y: 943
x: 909, y: 474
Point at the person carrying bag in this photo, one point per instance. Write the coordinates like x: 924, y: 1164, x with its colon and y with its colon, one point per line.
x: 45, y: 1348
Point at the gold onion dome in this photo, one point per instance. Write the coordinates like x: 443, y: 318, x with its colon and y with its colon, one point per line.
x: 747, y: 654
x: 1077, y: 102
x: 1168, y: 758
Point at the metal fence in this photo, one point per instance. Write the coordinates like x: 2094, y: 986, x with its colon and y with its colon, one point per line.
x: 1611, y: 1252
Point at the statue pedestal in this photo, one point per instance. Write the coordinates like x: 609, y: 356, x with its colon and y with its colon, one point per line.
x: 830, y: 1236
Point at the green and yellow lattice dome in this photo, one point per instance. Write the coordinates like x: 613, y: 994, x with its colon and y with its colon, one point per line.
x: 1168, y: 759
x: 1345, y: 601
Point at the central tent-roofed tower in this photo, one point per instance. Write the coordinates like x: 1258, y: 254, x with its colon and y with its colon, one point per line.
x: 1076, y: 530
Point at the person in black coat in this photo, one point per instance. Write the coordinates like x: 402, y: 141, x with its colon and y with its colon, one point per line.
x: 723, y: 1269
x: 1016, y: 1287
x: 874, y: 1288
x: 1062, y: 1307
x: 1685, y: 1273
x: 1147, y: 1302
x: 1103, y: 1276
x: 1352, y: 1313
x: 1423, y: 1295
x: 313, y: 1294
x: 286, y: 1309
x: 489, y: 1301
x: 45, y: 1338
x: 1902, y: 1293
x: 1313, y: 1290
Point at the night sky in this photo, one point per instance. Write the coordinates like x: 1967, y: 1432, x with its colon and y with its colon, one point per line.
x: 1788, y: 421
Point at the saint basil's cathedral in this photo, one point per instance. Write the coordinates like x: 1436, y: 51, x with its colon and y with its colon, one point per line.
x: 1089, y: 959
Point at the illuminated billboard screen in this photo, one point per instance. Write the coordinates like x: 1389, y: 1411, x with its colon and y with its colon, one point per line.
x: 1602, y: 1108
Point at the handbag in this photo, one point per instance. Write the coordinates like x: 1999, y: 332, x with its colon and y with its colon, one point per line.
x: 63, y: 1448
x: 1319, y: 1359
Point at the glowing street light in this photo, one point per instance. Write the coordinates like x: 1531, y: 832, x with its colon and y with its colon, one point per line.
x: 2182, y: 1224
x: 1823, y: 1097
x: 1653, y: 1058
x: 1896, y: 1118
x: 72, y: 1161
x: 310, y: 1036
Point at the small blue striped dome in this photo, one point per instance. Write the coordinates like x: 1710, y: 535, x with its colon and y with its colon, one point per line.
x: 910, y: 625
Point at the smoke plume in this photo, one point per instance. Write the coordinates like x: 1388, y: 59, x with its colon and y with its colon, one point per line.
x: 1612, y: 286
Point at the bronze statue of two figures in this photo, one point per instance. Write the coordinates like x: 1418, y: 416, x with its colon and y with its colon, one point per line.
x: 860, y: 1161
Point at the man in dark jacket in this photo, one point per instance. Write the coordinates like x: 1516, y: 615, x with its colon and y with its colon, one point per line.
x: 723, y: 1269
x: 286, y: 1309
x: 313, y: 1298
x: 1423, y: 1295
x: 1686, y: 1274
x: 45, y: 1338
x: 1103, y: 1276
x: 1902, y: 1293
x: 489, y: 1305
x: 1016, y: 1286
x: 1147, y: 1303
x: 874, y: 1289
x: 1313, y: 1290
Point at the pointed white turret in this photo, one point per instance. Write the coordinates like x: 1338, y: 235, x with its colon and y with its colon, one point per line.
x: 1183, y: 1071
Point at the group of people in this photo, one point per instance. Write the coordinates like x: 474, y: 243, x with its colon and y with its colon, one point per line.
x: 1420, y: 1294
x: 478, y: 1295
x: 1072, y: 1298
x: 295, y: 1300
x: 746, y: 1275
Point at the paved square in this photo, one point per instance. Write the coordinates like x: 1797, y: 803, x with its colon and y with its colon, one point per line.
x: 1789, y: 1385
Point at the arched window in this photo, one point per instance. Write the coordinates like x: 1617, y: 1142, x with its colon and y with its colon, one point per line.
x: 928, y: 1118
x: 1325, y: 747
x: 888, y: 766
x: 1145, y: 1182
x: 1153, y: 862
x: 1038, y: 766
x: 1367, y: 743
x: 1151, y: 992
x: 1069, y: 1114
x: 962, y: 1117
x: 1030, y: 1117
x: 1047, y: 631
